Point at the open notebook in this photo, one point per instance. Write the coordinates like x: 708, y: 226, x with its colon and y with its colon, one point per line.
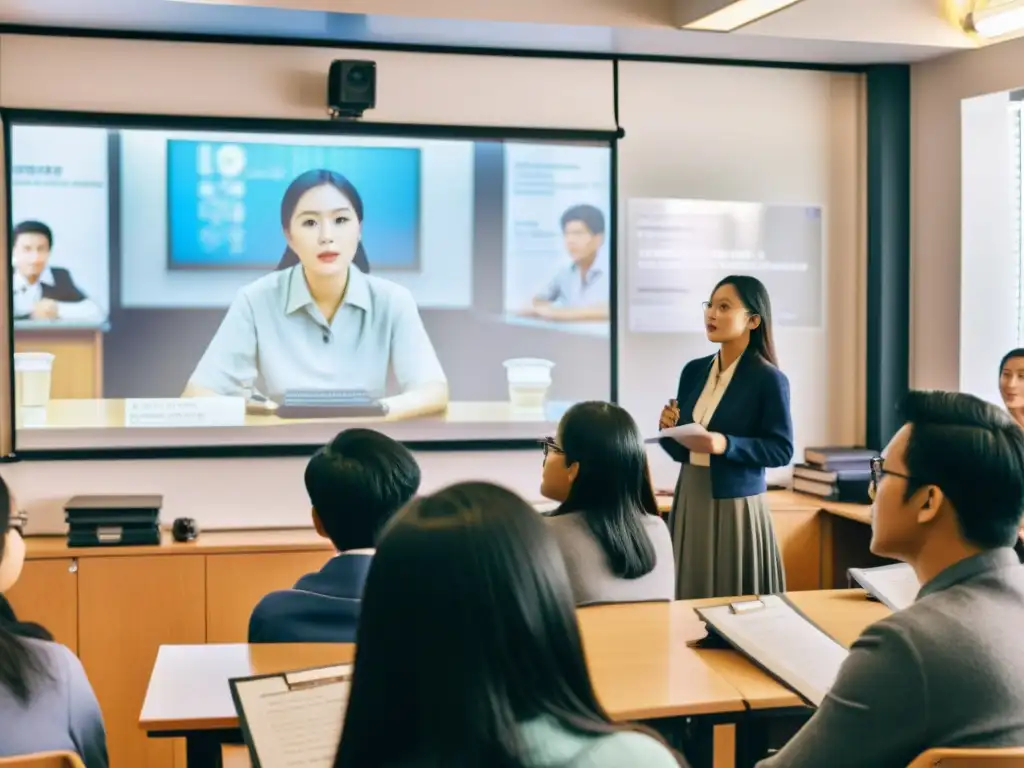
x: 895, y: 586
x: 780, y: 640
x: 293, y: 719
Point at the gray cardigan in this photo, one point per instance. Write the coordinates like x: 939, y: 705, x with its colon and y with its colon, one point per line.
x: 62, y: 713
x: 591, y: 577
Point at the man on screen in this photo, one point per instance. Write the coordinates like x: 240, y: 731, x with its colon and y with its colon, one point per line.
x: 42, y: 292
x: 580, y: 291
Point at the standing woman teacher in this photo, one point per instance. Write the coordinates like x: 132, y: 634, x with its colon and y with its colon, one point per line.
x: 322, y: 323
x: 721, y: 523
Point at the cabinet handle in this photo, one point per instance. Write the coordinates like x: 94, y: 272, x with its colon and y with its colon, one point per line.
x: 73, y: 567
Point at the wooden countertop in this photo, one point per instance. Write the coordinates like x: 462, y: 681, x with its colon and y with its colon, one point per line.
x: 209, y: 543
x: 306, y: 539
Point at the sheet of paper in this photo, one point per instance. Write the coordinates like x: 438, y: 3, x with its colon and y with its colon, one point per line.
x: 679, y: 433
x: 895, y: 586
x: 295, y: 720
x: 785, y: 643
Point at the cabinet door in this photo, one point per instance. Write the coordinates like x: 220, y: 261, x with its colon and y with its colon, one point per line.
x: 799, y: 535
x: 47, y: 593
x: 235, y: 583
x: 129, y: 607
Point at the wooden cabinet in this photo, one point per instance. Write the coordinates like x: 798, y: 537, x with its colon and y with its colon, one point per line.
x: 128, y: 608
x: 235, y: 583
x: 798, y: 532
x: 47, y: 593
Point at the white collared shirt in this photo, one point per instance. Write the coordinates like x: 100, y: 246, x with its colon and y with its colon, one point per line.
x: 274, y: 330
x: 26, y: 295
x: 710, y: 397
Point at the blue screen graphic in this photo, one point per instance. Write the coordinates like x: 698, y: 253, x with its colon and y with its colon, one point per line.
x: 224, y: 201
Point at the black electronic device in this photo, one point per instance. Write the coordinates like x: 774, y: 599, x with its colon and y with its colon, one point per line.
x: 113, y: 520
x: 184, y: 529
x: 330, y: 404
x: 351, y: 88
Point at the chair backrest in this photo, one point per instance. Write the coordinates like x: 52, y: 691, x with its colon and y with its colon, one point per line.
x: 1009, y: 757
x: 43, y: 760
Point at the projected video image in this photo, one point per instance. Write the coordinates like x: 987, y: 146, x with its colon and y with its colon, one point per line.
x: 274, y: 288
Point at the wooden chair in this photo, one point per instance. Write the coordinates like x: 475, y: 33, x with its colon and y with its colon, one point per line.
x: 43, y: 760
x: 1011, y: 757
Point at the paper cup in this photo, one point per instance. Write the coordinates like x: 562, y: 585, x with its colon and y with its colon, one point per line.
x: 529, y: 379
x: 33, y: 372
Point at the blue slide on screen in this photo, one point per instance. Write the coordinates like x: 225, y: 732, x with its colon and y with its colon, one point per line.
x: 224, y: 201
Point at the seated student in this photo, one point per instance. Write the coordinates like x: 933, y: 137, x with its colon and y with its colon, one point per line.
x: 46, y: 702
x: 469, y: 650
x: 948, y: 670
x: 616, y: 546
x: 355, y: 484
x: 40, y: 291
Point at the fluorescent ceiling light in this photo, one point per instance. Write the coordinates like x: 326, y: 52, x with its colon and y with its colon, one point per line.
x: 996, y: 21
x: 737, y: 14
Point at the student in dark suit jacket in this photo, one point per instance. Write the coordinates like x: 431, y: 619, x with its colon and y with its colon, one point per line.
x: 355, y: 484
x: 721, y: 523
x: 39, y: 291
x: 948, y: 670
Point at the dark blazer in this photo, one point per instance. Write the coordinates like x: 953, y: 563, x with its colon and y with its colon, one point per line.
x: 62, y: 289
x: 322, y: 607
x: 754, y: 417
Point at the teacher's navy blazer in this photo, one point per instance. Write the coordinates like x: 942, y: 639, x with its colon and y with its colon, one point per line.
x: 754, y: 417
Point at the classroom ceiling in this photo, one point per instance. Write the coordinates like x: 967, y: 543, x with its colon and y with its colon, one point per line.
x: 813, y: 31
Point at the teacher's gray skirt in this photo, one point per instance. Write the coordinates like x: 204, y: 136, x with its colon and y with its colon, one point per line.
x: 723, y: 547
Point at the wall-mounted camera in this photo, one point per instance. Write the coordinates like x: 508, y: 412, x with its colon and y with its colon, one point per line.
x: 351, y: 88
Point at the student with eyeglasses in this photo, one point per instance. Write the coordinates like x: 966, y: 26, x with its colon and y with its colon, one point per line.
x: 721, y: 522
x: 948, y: 671
x: 46, y: 702
x: 617, y: 548
x: 469, y: 650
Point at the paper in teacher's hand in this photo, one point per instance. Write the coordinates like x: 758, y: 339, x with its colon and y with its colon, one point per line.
x: 680, y: 433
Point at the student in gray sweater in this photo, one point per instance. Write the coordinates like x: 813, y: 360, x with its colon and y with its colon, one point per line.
x: 616, y: 546
x: 46, y: 702
x: 469, y: 649
x: 948, y: 671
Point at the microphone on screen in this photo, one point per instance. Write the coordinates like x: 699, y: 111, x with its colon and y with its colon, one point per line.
x: 326, y: 337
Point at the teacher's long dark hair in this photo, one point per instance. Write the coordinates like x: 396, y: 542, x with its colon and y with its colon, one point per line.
x: 20, y: 665
x: 755, y: 299
x: 468, y: 630
x: 300, y: 186
x: 612, y: 489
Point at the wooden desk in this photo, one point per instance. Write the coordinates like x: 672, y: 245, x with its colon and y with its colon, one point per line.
x: 234, y: 756
x: 641, y: 669
x: 78, y: 356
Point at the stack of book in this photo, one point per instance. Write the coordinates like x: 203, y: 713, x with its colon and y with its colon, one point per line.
x: 111, y: 521
x: 835, y: 473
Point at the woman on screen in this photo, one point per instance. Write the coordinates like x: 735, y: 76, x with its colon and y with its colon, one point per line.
x: 321, y: 325
x: 1011, y: 388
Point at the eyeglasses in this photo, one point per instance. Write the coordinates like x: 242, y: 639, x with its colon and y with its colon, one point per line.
x: 724, y: 310
x: 17, y: 521
x: 550, y: 446
x: 878, y: 472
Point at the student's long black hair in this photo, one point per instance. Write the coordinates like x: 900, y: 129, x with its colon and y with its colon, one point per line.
x: 755, y: 299
x: 612, y: 489
x: 468, y: 629
x: 300, y: 186
x: 20, y: 665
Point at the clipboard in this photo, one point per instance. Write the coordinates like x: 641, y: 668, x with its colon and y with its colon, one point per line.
x: 778, y: 638
x: 293, y: 718
x: 895, y: 586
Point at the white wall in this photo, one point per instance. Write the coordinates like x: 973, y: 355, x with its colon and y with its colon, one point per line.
x: 720, y: 133
x: 989, y: 258
x: 692, y: 131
